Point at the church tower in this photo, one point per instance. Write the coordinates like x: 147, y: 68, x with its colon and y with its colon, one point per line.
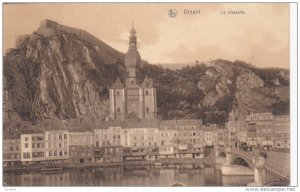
x: 132, y: 61
x: 133, y: 100
x: 117, y: 100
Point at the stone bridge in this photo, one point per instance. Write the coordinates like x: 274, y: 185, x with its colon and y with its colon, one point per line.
x: 271, y: 170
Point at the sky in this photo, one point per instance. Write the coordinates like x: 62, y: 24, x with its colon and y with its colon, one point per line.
x: 260, y: 36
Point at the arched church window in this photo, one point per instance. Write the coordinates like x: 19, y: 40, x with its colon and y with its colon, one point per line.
x: 118, y: 93
x: 118, y: 110
x: 147, y: 84
x: 147, y: 109
x: 127, y: 73
x: 147, y: 92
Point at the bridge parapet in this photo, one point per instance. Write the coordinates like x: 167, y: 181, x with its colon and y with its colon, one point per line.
x: 273, y: 169
x: 279, y: 163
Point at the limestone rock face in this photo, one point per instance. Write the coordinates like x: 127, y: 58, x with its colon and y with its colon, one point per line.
x: 57, y: 77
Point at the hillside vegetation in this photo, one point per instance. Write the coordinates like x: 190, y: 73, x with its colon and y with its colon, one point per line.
x: 64, y: 77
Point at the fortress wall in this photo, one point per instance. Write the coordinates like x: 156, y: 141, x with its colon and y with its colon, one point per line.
x: 49, y: 28
x: 70, y: 30
x: 48, y: 24
x: 47, y: 32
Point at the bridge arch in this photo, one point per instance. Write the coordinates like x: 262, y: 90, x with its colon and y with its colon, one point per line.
x: 239, y: 160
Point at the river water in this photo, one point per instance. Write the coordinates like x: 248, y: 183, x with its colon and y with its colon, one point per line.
x: 208, y: 176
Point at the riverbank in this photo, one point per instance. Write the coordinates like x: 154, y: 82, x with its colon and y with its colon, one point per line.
x: 166, y: 162
x: 208, y: 160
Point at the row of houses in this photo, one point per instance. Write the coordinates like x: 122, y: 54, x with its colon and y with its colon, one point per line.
x: 260, y: 130
x: 110, y: 141
x: 113, y: 141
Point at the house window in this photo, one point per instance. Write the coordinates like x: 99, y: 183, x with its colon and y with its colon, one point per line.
x: 65, y: 136
x: 26, y: 145
x: 26, y: 155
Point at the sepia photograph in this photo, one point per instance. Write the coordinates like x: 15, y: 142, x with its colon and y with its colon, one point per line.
x: 146, y: 95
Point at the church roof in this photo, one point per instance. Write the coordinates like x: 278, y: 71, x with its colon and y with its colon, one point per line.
x: 117, y: 84
x: 147, y: 83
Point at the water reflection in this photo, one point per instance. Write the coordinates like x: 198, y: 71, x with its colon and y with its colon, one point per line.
x: 208, y: 176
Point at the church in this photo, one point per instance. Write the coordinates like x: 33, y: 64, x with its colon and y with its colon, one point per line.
x: 132, y: 99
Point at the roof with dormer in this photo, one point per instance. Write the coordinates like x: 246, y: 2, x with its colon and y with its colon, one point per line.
x: 118, y: 84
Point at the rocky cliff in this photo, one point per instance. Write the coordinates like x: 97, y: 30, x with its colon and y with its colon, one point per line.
x: 60, y: 75
x: 57, y: 77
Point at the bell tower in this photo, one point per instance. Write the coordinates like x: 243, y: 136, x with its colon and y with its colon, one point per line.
x: 132, y: 61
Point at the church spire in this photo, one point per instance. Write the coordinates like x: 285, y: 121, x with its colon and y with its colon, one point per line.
x: 132, y: 38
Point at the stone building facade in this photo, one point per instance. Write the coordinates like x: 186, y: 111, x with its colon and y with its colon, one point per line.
x: 32, y: 148
x: 81, y: 147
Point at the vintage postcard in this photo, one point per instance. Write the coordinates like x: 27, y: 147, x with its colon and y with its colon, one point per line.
x: 146, y: 94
